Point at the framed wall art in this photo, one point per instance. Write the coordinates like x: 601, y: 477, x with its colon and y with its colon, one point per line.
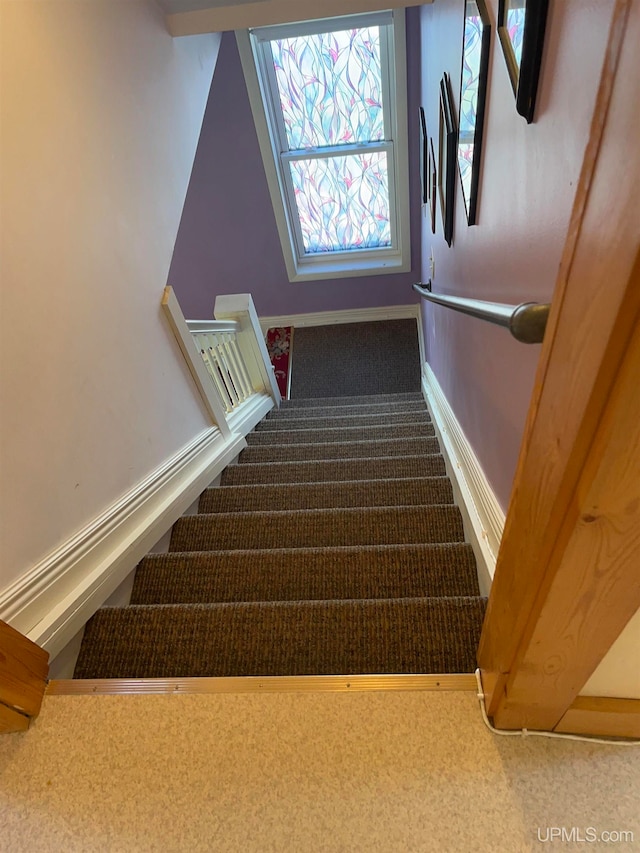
x: 424, y: 158
x: 473, y: 93
x: 447, y: 151
x: 433, y: 186
x: 521, y: 25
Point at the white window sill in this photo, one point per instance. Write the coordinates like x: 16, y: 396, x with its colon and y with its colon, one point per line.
x: 333, y: 270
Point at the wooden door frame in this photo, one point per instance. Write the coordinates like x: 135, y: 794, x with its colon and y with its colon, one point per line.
x: 24, y: 668
x: 553, y: 579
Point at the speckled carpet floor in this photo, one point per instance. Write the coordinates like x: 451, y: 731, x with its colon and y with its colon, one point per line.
x: 300, y: 773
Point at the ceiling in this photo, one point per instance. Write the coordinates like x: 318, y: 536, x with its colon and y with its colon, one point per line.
x: 172, y: 7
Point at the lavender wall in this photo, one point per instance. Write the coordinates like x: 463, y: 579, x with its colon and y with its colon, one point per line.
x: 512, y: 255
x: 228, y: 241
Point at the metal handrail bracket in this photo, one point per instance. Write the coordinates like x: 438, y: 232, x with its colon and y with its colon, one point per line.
x: 526, y: 322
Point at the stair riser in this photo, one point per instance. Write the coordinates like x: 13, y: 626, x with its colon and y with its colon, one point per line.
x: 417, y: 571
x: 344, y: 434
x: 366, y: 493
x: 318, y: 528
x: 329, y: 471
x: 338, y: 450
x: 328, y: 411
x: 339, y: 402
x: 363, y: 421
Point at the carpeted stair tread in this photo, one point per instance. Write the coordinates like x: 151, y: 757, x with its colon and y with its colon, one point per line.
x: 352, y: 409
x: 340, y: 450
x: 342, y: 434
x: 299, y: 574
x: 386, y: 419
x: 360, y: 400
x: 349, y: 493
x: 313, y: 528
x: 406, y: 635
x: 324, y: 470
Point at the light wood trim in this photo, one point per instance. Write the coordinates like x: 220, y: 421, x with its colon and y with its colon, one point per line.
x: 267, y: 684
x: 593, y: 313
x: 23, y: 671
x: 264, y: 13
x: 595, y: 589
x: 601, y: 715
x: 12, y: 721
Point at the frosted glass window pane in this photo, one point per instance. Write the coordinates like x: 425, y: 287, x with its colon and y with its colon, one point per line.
x: 515, y: 27
x: 330, y: 87
x: 343, y: 202
x: 469, y: 98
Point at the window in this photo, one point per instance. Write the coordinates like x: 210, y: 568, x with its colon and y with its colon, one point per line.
x: 329, y: 102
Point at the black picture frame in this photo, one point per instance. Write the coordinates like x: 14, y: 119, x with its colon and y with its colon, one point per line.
x: 522, y: 48
x: 476, y: 47
x: 447, y: 155
x: 424, y: 158
x: 433, y: 186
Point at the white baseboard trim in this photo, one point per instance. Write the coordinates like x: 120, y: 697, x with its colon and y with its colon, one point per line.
x: 482, y: 515
x: 51, y: 602
x: 356, y: 315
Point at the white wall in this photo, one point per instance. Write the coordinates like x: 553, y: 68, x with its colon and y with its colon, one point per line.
x: 618, y: 673
x: 100, y: 115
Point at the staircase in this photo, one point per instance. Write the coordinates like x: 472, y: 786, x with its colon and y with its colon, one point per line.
x: 332, y: 547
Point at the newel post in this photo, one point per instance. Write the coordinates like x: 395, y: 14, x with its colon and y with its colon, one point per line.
x: 203, y: 381
x: 240, y: 307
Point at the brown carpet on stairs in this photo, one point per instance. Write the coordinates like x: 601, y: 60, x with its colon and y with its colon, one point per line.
x: 283, y: 638
x: 332, y: 545
x: 332, y: 434
x: 318, y: 528
x: 299, y: 574
x: 327, y: 410
x: 322, y: 470
x: 341, y: 450
x: 356, y: 358
x: 357, y: 421
x: 363, y: 400
x: 411, y: 491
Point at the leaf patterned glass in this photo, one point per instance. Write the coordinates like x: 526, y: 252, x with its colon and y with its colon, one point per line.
x: 330, y: 87
x: 343, y: 202
x: 514, y: 22
x: 469, y: 97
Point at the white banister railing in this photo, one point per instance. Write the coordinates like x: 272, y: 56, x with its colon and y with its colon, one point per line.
x: 217, y: 342
x: 228, y: 360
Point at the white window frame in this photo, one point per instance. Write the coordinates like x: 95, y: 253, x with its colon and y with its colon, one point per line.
x: 267, y: 117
